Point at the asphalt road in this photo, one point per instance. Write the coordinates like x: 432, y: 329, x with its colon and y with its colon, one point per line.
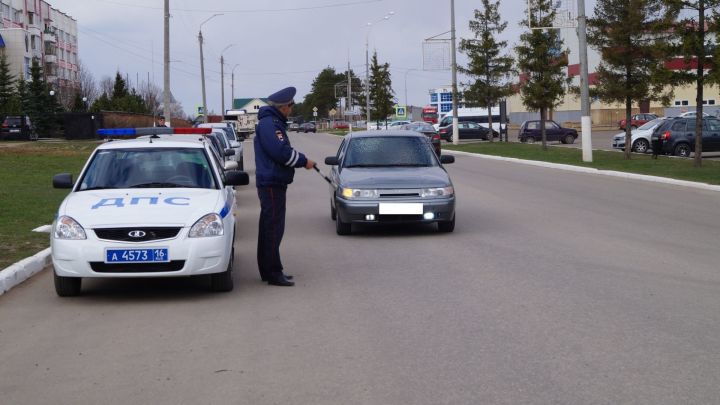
x: 555, y: 288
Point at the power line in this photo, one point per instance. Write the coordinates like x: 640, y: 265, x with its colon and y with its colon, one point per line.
x: 245, y: 11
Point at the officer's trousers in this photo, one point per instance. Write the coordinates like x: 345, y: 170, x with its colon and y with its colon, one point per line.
x: 270, y: 229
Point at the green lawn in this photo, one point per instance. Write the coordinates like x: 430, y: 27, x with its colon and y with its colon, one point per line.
x: 27, y: 198
x: 664, y: 166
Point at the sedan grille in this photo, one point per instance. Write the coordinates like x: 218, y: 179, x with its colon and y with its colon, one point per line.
x: 139, y: 234
x: 401, y: 193
x: 100, y: 267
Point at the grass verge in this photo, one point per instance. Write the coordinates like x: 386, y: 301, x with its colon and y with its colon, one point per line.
x: 27, y: 198
x: 664, y: 166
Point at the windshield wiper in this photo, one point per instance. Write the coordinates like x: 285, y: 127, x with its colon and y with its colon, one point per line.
x: 159, y: 185
x: 97, y: 188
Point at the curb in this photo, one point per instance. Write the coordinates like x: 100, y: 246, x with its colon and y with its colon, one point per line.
x: 590, y: 170
x: 23, y: 270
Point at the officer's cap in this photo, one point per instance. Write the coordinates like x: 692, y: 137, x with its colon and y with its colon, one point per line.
x: 284, y: 96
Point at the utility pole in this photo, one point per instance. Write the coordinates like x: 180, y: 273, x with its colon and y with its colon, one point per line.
x: 166, y: 66
x: 232, y: 91
x: 585, y: 119
x: 456, y: 131
x: 202, y: 75
x: 348, y: 100
x: 222, y: 85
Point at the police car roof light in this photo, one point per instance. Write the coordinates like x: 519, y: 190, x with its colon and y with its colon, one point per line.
x: 185, y: 131
x: 116, y: 132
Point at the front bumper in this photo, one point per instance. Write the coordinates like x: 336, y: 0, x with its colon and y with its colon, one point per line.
x: 443, y: 209
x: 618, y: 143
x: 188, y: 257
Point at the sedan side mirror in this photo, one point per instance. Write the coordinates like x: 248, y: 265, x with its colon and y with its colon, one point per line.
x: 236, y: 178
x: 229, y: 152
x: 230, y: 165
x: 62, y: 180
x: 332, y: 161
x: 445, y: 159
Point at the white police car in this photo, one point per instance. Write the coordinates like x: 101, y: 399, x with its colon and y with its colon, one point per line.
x: 153, y: 207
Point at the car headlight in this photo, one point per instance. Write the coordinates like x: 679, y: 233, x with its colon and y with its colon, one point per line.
x: 351, y: 193
x: 437, y: 192
x: 68, y: 228
x: 209, y: 225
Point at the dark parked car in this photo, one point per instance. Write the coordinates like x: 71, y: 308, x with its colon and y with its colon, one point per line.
x: 530, y: 132
x: 637, y: 120
x: 466, y: 130
x: 390, y: 177
x: 307, y: 127
x: 294, y: 127
x: 676, y: 136
x: 426, y: 129
x: 17, y: 128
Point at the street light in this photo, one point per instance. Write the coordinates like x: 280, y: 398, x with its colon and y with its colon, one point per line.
x: 222, y: 78
x: 84, y: 99
x: 202, y: 66
x: 367, y: 65
x: 406, y: 100
x: 232, y: 85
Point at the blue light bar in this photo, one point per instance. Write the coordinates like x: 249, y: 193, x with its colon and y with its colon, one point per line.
x: 116, y: 132
x: 135, y: 131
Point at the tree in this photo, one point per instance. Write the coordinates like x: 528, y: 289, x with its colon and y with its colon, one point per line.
x: 541, y: 60
x: 7, y: 91
x: 488, y: 68
x: 631, y: 36
x: 695, y: 46
x: 40, y: 102
x: 88, y: 87
x: 382, y: 100
x: 322, y: 94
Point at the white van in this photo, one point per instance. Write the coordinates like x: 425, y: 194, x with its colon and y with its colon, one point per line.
x: 473, y: 114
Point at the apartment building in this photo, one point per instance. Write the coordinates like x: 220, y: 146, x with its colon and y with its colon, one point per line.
x: 33, y: 29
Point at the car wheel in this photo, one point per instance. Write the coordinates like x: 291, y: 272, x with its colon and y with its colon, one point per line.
x: 530, y: 139
x: 641, y: 146
x: 447, y: 226
x: 682, y: 150
x: 333, y: 212
x: 569, y: 139
x: 342, y: 228
x: 223, y: 282
x: 67, y: 286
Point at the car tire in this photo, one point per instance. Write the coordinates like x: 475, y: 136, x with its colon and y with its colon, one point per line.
x: 682, y: 150
x: 446, y: 226
x: 641, y: 146
x: 342, y: 228
x: 530, y: 139
x: 67, y: 286
x: 223, y: 282
x: 241, y: 164
x: 569, y: 139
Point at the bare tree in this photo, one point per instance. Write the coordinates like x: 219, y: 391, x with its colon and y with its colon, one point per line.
x: 152, y: 94
x: 107, y: 85
x: 88, y: 86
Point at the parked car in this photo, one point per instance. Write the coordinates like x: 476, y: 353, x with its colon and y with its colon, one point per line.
x: 17, y: 128
x: 637, y: 120
x: 426, y: 129
x: 156, y: 207
x: 231, y: 141
x: 341, y: 125
x: 676, y: 136
x: 466, y: 130
x: 640, y: 140
x: 294, y: 127
x: 390, y: 177
x: 530, y: 132
x: 692, y: 114
x: 308, y: 127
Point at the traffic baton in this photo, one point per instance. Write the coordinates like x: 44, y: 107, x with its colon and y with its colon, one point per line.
x: 323, y: 176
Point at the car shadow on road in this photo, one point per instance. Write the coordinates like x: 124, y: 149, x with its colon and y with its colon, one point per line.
x: 373, y: 230
x: 160, y: 289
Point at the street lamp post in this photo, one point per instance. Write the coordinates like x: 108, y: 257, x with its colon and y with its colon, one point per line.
x: 406, y: 100
x: 85, y: 105
x: 202, y: 66
x: 232, y: 86
x: 367, y: 65
x: 222, y: 78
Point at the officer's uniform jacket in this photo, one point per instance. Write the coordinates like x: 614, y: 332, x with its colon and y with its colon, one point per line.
x: 275, y: 159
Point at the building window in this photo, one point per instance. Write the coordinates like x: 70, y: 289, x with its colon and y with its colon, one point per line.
x: 17, y: 16
x: 709, y: 102
x: 5, y: 11
x: 445, y: 96
x: 681, y: 102
x: 31, y: 18
x: 433, y: 98
x: 445, y: 107
x: 27, y: 68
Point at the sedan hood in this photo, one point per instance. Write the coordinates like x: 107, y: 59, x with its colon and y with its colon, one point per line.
x: 151, y: 207
x: 394, y: 177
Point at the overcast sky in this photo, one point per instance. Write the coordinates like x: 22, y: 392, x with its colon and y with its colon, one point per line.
x: 275, y: 43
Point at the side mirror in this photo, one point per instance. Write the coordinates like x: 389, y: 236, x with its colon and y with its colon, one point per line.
x: 331, y: 161
x: 62, y: 180
x: 235, y: 144
x: 229, y: 152
x: 236, y: 178
x: 445, y: 159
x: 230, y: 165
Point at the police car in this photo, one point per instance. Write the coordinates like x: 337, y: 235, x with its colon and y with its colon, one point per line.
x: 153, y: 207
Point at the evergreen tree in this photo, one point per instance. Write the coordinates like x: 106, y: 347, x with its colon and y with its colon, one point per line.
x: 322, y: 94
x: 541, y: 61
x: 102, y: 104
x: 381, y: 93
x: 120, y: 88
x: 695, y: 46
x: 7, y: 91
x: 40, y: 107
x: 78, y: 104
x: 631, y: 36
x: 487, y: 67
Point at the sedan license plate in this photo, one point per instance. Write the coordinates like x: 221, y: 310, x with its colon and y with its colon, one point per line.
x: 14, y: 130
x: 400, y: 209
x: 137, y: 255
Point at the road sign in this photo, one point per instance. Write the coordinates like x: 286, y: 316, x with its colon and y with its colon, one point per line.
x: 332, y: 112
x: 314, y: 113
x: 200, y: 110
x: 400, y: 111
x: 315, y: 109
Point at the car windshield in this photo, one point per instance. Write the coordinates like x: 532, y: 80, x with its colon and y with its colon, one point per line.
x: 148, y: 168
x: 385, y: 151
x: 651, y: 124
x: 230, y: 133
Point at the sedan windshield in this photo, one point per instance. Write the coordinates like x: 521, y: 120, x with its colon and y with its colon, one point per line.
x: 384, y: 151
x: 148, y: 168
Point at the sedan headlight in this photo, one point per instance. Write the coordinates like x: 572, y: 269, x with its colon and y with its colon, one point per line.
x: 68, y: 228
x: 437, y: 192
x: 352, y: 193
x: 209, y: 225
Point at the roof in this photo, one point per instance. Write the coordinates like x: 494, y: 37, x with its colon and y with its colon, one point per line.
x: 159, y: 142
x: 242, y: 102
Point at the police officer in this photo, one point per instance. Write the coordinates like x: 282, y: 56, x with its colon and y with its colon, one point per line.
x: 275, y: 163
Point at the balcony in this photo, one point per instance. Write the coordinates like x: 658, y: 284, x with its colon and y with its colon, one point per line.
x: 50, y: 58
x: 50, y: 37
